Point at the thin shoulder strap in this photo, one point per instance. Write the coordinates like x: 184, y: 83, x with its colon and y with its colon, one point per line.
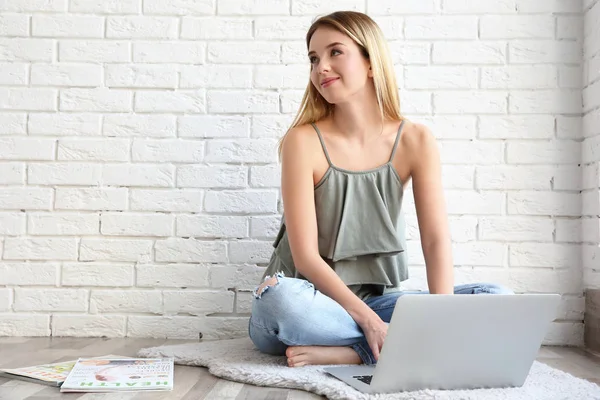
x: 322, y: 143
x: 396, y: 142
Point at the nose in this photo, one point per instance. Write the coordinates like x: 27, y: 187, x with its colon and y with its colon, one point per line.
x: 323, y: 66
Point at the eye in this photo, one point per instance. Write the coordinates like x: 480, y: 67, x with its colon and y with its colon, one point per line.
x: 313, y: 59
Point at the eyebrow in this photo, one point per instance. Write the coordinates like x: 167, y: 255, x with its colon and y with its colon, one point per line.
x: 328, y: 46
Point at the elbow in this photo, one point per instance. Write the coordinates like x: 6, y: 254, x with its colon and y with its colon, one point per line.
x: 438, y: 253
x: 305, y: 260
x: 435, y: 243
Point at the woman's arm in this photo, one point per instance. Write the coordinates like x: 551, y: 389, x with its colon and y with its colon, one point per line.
x: 431, y: 210
x: 297, y: 188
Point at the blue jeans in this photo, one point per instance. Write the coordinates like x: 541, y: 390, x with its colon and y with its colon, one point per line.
x: 294, y: 313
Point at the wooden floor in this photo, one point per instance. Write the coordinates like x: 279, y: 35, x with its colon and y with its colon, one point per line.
x: 192, y: 383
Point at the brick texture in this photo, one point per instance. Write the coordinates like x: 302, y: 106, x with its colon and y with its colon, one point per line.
x: 138, y: 167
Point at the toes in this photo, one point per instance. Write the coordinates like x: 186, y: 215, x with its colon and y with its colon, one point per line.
x: 299, y: 364
x: 294, y: 351
x: 290, y: 352
x: 296, y: 362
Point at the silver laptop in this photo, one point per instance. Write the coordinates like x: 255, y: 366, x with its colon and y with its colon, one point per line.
x: 456, y: 342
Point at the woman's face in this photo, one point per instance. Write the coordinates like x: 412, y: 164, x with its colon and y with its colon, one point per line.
x: 338, y: 69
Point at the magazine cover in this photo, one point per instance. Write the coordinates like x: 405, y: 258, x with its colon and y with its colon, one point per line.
x: 47, y: 374
x: 120, y: 374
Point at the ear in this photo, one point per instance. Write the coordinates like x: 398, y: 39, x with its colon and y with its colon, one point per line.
x: 370, y: 73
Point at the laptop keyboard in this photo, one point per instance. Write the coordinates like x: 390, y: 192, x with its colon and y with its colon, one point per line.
x: 364, y: 378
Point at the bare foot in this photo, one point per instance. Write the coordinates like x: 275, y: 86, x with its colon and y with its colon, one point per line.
x: 299, y: 356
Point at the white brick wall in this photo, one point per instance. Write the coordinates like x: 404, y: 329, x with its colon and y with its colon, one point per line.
x: 590, y: 227
x: 138, y: 171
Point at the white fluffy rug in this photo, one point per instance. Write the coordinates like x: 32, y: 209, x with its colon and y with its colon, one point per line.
x: 238, y: 360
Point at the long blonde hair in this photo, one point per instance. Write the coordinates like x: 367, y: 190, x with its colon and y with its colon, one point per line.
x: 369, y: 37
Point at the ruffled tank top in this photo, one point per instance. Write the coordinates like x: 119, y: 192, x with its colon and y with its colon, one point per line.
x: 361, y: 228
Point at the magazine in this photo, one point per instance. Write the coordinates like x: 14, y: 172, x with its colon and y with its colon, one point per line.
x: 46, y: 374
x: 120, y: 374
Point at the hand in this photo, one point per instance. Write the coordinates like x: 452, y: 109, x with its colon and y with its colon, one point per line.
x: 375, y: 331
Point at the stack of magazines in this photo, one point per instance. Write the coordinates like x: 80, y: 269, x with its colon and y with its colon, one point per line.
x: 100, y: 374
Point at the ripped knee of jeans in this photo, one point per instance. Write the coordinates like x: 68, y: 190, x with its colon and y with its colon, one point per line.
x: 268, y: 282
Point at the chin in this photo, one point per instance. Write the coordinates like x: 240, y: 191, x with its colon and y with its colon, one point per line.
x: 333, y: 99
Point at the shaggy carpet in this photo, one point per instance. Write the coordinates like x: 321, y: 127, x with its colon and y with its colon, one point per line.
x: 238, y: 360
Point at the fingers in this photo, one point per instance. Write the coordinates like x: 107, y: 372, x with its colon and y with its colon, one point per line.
x: 375, y: 350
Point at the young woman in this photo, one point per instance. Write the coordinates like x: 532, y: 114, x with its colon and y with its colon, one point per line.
x: 334, y: 277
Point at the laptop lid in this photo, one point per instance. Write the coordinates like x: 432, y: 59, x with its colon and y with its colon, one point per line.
x: 463, y: 341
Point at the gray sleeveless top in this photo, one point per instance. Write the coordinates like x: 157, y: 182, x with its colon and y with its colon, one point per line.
x: 361, y: 228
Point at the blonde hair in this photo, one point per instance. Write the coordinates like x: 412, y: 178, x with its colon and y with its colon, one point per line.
x: 368, y: 36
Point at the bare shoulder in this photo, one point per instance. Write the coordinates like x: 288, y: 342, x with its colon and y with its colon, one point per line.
x: 300, y: 134
x: 421, y: 148
x: 300, y: 141
x: 416, y: 136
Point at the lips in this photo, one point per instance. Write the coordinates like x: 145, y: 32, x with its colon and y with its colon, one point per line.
x: 328, y: 81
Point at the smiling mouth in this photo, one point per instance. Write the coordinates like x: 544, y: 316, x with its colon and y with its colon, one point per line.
x: 328, y: 82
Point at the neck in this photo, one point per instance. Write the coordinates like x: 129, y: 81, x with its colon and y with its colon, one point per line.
x: 359, y: 117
